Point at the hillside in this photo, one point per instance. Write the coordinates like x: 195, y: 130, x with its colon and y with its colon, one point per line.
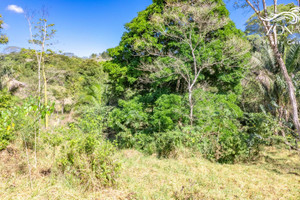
x: 186, y: 106
x: 274, y: 176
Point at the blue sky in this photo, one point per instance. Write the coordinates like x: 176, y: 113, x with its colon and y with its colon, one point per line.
x: 86, y: 26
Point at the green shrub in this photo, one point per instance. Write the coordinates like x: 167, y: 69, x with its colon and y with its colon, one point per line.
x: 168, y: 142
x: 130, y: 115
x: 267, y: 129
x: 26, y: 116
x: 90, y: 158
x: 217, y: 132
x: 7, y: 125
x: 91, y: 120
x: 169, y: 112
x: 6, y: 129
x: 140, y: 141
x: 6, y: 100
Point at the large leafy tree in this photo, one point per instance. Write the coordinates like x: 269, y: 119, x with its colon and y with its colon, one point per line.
x: 178, y: 46
x: 202, y: 47
x: 126, y: 67
x: 123, y: 66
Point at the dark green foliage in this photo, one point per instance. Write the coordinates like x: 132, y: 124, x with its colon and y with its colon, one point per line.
x: 168, y: 142
x: 169, y: 112
x: 148, y: 122
x: 218, y: 133
x: 7, y: 126
x: 268, y: 130
x: 125, y: 68
x: 130, y: 116
x: 138, y: 99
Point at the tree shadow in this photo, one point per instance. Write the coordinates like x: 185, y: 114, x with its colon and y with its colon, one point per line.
x: 282, y: 164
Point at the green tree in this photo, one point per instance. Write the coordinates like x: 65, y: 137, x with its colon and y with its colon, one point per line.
x: 272, y: 37
x: 41, y: 32
x: 267, y: 83
x: 93, y: 96
x: 199, y: 48
x: 123, y: 68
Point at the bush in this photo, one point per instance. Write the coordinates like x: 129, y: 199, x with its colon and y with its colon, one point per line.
x: 169, y: 112
x: 267, y: 129
x: 217, y: 132
x: 6, y: 119
x: 168, y: 142
x: 130, y: 116
x: 6, y: 129
x: 140, y: 141
x: 90, y: 158
x: 91, y: 120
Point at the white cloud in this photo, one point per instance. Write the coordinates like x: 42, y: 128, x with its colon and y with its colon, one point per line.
x: 5, y: 26
x: 15, y: 8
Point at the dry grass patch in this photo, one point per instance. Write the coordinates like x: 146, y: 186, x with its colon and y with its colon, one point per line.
x: 274, y: 176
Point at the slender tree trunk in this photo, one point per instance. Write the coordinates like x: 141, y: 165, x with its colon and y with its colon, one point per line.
x: 273, y: 42
x: 288, y: 80
x: 178, y: 85
x: 45, y: 96
x: 279, y: 58
x: 291, y: 88
x: 191, y: 106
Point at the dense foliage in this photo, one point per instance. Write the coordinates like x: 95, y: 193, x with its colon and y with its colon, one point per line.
x: 182, y: 77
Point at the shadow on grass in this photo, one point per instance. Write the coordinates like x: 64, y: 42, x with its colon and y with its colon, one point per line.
x: 282, y: 162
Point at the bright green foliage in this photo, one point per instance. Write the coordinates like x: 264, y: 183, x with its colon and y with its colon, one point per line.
x: 169, y: 112
x: 126, y: 67
x: 70, y: 79
x: 217, y: 133
x: 91, y: 120
x: 216, y: 107
x: 131, y: 115
x: 123, y: 67
x: 6, y: 100
x: 93, y: 96
x: 218, y: 117
x: 26, y: 117
x: 6, y: 130
x: 7, y: 125
x: 20, y: 118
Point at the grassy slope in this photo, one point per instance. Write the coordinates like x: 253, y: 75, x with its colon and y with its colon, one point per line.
x: 275, y: 176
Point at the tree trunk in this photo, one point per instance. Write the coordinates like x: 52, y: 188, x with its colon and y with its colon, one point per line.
x: 178, y: 85
x: 45, y: 97
x: 191, y: 106
x: 291, y: 88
